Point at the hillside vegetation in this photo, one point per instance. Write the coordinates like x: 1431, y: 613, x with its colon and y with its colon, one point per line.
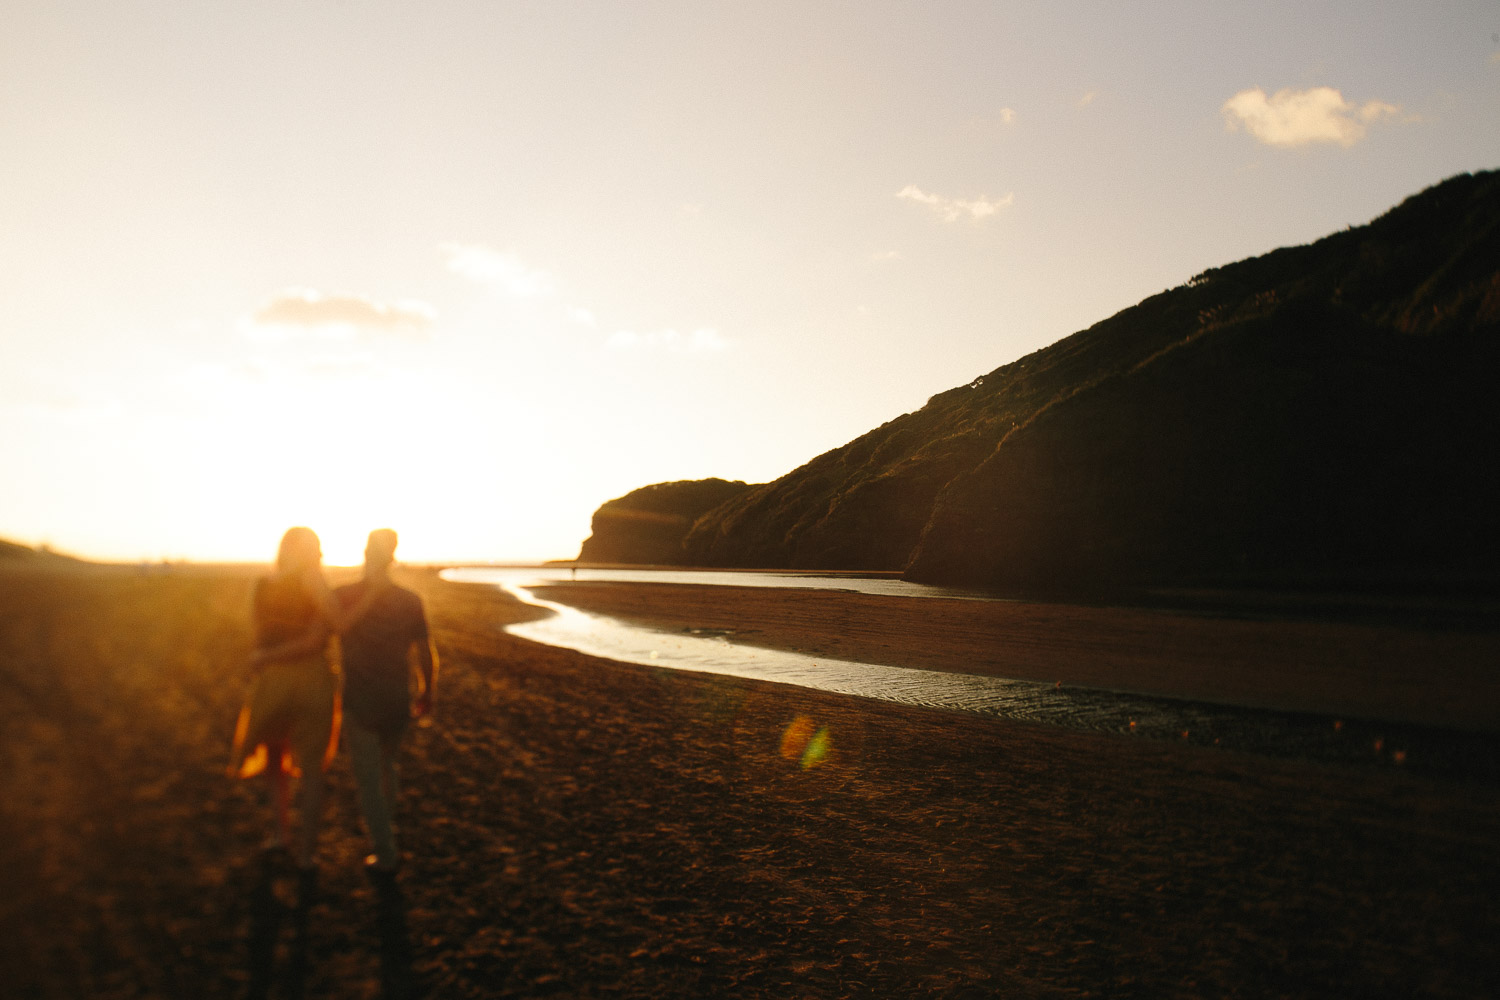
x: 646, y: 526
x: 1320, y: 416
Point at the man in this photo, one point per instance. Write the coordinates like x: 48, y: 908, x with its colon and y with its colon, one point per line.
x: 377, y: 654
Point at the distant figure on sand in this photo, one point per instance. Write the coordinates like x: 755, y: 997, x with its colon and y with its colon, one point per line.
x: 290, y: 721
x: 378, y: 652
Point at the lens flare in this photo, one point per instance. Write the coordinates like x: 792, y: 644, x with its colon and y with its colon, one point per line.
x: 817, y: 749
x: 797, y: 736
x: 806, y: 743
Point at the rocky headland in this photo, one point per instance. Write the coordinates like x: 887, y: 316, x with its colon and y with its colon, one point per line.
x: 647, y: 526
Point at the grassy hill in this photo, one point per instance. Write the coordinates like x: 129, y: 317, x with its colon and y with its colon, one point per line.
x: 646, y: 526
x: 13, y: 554
x: 1319, y: 416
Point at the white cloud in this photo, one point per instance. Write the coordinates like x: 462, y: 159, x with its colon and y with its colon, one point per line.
x: 503, y: 272
x: 342, y: 315
x: 1299, y: 117
x: 704, y: 340
x: 582, y: 316
x: 953, y: 209
x: 886, y: 255
x: 1087, y: 98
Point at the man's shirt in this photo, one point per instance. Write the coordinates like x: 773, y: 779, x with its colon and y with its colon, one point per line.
x: 376, y: 668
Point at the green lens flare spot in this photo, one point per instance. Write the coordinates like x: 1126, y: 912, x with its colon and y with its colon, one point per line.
x: 817, y: 748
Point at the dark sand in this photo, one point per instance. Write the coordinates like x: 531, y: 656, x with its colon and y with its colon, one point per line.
x: 581, y: 828
x: 1435, y: 676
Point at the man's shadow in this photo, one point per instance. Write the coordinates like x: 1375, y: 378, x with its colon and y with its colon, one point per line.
x: 397, y: 981
x: 271, y: 965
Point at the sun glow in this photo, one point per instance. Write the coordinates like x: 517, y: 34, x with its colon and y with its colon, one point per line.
x: 239, y: 455
x: 466, y: 280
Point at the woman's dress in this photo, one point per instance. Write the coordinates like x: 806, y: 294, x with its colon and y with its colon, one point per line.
x: 292, y: 712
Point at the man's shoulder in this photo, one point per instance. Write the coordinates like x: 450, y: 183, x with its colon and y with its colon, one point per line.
x: 395, y: 599
x: 398, y: 600
x: 410, y: 601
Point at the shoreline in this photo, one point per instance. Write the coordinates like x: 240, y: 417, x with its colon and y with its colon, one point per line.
x: 1435, y: 677
x: 577, y: 827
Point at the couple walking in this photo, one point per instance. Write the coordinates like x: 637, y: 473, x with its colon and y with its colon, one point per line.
x: 291, y: 720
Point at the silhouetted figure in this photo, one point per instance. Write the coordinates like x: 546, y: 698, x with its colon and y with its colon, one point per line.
x: 378, y: 651
x: 289, y: 724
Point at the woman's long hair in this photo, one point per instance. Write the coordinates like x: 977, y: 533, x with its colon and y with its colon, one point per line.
x: 299, y: 548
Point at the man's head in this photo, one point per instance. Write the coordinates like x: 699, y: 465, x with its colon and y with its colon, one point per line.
x: 380, y: 550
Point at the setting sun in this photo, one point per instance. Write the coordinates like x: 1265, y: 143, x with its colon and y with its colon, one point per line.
x: 476, y: 271
x: 907, y: 498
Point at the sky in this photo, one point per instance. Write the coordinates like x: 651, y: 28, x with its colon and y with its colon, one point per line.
x: 470, y: 269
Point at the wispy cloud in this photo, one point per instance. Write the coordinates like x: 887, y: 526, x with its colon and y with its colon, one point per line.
x: 303, y: 309
x: 1007, y: 115
x: 1087, y: 98
x: 1300, y: 117
x: 550, y: 312
x: 503, y: 272
x: 953, y: 209
x: 704, y: 340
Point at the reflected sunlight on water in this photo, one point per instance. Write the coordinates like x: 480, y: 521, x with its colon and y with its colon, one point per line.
x: 1288, y: 734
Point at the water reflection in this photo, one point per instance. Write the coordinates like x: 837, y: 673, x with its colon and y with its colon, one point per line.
x: 1303, y: 735
x: 880, y: 584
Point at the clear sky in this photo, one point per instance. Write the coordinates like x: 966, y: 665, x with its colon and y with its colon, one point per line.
x: 469, y: 269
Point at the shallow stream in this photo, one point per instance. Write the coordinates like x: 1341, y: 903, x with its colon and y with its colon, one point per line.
x: 1291, y: 734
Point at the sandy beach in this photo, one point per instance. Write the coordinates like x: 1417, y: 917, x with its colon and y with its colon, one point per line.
x: 575, y: 827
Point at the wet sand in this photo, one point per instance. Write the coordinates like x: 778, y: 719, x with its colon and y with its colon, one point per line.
x: 1433, y: 676
x: 581, y: 828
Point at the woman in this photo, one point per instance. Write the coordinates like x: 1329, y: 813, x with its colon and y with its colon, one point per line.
x: 290, y: 721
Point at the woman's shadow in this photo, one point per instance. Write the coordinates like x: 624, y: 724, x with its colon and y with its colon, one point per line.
x: 282, y: 895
